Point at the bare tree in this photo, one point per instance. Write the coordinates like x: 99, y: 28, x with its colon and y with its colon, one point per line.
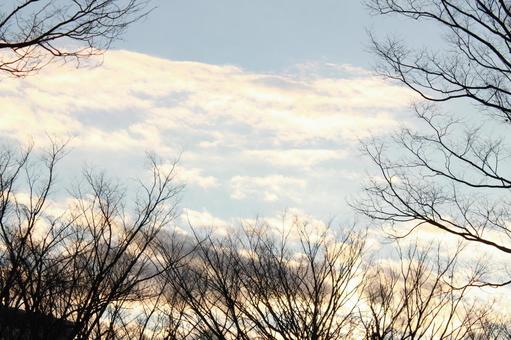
x: 260, y: 286
x: 89, y: 265
x: 308, y: 290
x: 417, y: 298
x: 35, y: 32
x: 256, y: 284
x: 452, y: 172
x: 491, y: 327
x: 475, y: 65
x: 107, y: 267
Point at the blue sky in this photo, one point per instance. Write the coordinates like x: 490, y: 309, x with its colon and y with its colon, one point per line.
x: 263, y: 35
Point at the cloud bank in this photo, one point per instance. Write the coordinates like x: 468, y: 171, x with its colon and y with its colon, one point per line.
x: 247, y: 138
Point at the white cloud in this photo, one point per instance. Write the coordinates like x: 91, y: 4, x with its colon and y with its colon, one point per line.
x: 224, y: 119
x: 194, y: 176
x: 135, y: 98
x: 201, y: 219
x: 295, y: 157
x: 269, y: 188
x: 205, y: 221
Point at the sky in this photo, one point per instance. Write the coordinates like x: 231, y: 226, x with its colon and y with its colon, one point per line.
x: 264, y: 36
x: 264, y: 103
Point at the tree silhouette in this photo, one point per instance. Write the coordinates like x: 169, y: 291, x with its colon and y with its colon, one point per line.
x: 35, y: 32
x: 104, y: 266
x: 452, y: 172
x: 261, y: 283
x: 89, y: 264
x: 258, y: 285
x: 418, y: 298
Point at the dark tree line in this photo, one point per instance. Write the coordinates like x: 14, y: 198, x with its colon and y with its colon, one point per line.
x: 110, y: 267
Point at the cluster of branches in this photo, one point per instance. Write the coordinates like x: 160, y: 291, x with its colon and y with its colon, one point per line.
x: 86, y: 264
x: 262, y: 285
x: 35, y: 32
x: 257, y: 285
x: 453, y: 171
x: 475, y: 66
x: 106, y: 268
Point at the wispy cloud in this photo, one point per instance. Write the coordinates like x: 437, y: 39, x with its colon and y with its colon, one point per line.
x: 268, y: 188
x: 243, y: 134
x: 131, y: 94
x: 295, y: 157
x: 195, y: 176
